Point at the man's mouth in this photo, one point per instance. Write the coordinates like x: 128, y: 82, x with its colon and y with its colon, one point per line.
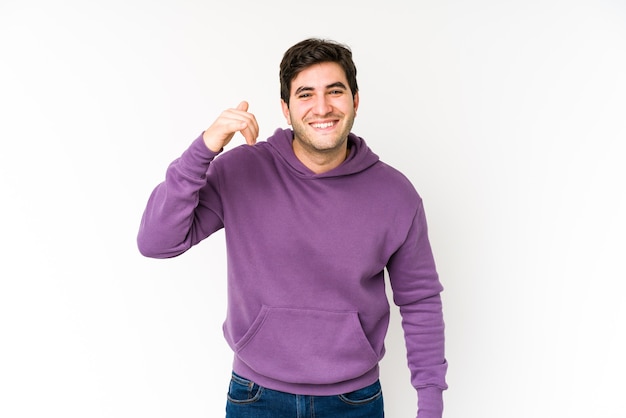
x: 322, y: 125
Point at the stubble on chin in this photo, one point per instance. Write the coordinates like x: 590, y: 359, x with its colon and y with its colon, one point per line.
x: 316, y: 142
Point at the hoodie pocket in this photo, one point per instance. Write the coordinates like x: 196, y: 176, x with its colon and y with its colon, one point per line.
x: 307, y: 346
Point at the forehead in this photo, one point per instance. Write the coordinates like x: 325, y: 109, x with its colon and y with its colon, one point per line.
x: 319, y: 76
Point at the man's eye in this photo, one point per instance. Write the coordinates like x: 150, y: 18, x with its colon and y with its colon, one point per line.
x: 304, y: 95
x: 336, y: 92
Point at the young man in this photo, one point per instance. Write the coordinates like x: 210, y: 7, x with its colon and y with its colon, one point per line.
x: 312, y: 218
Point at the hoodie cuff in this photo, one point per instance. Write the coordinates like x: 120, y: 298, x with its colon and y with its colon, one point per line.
x: 196, y: 159
x: 429, y: 402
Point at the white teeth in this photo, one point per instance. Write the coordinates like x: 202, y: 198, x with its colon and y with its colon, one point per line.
x: 322, y: 125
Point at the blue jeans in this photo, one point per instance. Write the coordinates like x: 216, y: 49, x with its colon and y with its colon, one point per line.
x: 246, y: 399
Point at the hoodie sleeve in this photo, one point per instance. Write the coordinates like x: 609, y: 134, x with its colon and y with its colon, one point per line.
x: 416, y: 291
x: 184, y: 209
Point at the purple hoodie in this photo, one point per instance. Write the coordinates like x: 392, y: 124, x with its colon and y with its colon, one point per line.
x: 307, y: 309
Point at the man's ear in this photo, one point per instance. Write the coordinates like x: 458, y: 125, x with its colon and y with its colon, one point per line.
x: 285, y: 108
x: 356, y: 101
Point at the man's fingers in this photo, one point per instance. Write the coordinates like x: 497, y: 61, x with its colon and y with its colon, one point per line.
x: 228, y: 123
x: 243, y: 106
x: 250, y: 135
x: 249, y: 128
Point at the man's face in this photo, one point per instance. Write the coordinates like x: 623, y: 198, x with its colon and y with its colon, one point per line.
x: 321, y: 108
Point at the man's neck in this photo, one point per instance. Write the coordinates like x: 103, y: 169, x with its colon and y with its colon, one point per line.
x: 320, y: 161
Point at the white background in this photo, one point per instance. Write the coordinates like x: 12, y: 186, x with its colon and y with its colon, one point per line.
x: 508, y: 116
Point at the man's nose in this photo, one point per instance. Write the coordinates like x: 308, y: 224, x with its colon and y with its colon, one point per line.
x: 322, y: 105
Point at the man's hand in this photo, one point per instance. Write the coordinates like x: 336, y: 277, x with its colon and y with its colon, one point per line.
x: 231, y: 121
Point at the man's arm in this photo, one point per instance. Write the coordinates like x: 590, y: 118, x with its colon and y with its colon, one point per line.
x: 416, y: 290
x: 185, y: 208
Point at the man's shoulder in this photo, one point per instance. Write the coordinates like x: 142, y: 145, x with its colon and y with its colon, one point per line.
x: 393, y: 174
x: 245, y: 153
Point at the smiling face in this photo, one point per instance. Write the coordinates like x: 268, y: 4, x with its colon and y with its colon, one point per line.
x: 321, y: 111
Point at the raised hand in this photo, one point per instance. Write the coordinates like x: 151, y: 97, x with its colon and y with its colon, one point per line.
x: 231, y: 121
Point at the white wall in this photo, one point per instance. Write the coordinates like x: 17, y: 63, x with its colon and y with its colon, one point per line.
x: 508, y: 116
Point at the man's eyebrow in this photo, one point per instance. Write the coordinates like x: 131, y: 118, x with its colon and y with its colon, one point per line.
x: 330, y: 86
x: 337, y: 84
x: 303, y: 88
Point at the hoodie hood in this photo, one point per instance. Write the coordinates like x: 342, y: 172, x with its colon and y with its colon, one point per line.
x: 360, y: 157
